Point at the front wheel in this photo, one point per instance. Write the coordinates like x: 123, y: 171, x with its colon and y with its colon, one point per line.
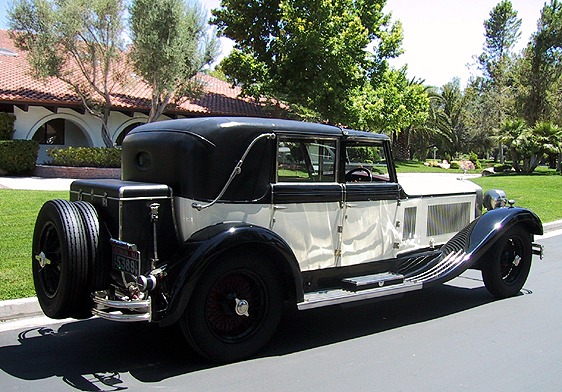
x: 508, y: 263
x: 235, y: 308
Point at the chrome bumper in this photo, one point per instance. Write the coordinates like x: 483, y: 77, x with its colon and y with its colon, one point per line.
x: 121, y: 310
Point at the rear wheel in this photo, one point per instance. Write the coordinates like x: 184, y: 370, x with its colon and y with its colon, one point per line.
x: 234, y: 310
x: 508, y: 263
x: 60, y: 260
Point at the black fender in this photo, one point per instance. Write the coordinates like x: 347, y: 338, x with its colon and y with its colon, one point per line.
x: 206, y: 245
x: 490, y: 226
x: 467, y: 248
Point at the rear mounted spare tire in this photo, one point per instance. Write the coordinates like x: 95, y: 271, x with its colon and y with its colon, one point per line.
x: 60, y: 260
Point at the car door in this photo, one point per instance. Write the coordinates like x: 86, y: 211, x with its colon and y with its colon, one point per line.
x: 371, y: 196
x: 306, y: 200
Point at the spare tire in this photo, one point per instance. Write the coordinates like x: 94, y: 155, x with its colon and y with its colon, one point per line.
x: 60, y: 260
x: 98, y: 272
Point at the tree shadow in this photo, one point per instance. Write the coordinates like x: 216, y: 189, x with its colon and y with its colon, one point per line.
x: 91, y: 355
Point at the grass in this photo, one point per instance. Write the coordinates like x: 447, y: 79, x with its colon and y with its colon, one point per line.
x: 541, y: 193
x: 19, y: 210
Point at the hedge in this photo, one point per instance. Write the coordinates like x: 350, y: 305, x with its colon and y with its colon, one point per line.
x: 18, y: 156
x: 6, y: 125
x: 86, y: 156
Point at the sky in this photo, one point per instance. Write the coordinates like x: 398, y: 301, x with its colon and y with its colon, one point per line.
x: 441, y: 37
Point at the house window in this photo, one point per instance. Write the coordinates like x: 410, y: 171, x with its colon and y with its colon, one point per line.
x: 306, y: 161
x: 52, y: 132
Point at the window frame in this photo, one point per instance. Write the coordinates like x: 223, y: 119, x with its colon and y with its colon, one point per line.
x: 305, y: 142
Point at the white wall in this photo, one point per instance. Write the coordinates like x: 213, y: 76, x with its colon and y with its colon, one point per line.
x: 82, y: 130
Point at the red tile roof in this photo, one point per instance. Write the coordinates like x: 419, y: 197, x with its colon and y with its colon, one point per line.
x: 18, y: 87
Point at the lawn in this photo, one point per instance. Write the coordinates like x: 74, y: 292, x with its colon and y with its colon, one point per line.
x: 19, y: 210
x: 541, y: 193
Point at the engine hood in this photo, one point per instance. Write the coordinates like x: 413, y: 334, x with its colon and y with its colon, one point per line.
x: 433, y: 184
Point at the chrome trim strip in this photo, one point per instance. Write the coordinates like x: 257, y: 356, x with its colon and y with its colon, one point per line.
x: 124, y: 198
x: 338, y: 296
x: 127, y: 318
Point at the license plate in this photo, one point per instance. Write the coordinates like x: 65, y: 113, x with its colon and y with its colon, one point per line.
x: 125, y: 257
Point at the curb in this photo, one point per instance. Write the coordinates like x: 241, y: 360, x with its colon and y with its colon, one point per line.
x: 15, y: 309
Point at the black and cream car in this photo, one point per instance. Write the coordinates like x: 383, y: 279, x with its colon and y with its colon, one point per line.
x: 218, y: 223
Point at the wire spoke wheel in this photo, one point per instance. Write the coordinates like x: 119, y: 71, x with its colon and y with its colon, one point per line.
x: 236, y: 305
x: 234, y: 309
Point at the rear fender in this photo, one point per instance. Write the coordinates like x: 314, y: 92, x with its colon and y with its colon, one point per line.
x: 208, y: 244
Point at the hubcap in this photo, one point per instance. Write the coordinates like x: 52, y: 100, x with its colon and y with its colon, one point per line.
x: 511, y: 260
x: 242, y: 307
x: 42, y: 259
x: 227, y: 307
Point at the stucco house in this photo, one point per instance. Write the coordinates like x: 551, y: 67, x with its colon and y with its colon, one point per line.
x: 52, y: 114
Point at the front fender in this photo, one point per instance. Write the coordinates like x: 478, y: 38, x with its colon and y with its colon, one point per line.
x: 467, y: 248
x: 493, y: 224
x: 206, y: 245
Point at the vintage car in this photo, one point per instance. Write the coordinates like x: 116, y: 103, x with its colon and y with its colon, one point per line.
x: 218, y: 223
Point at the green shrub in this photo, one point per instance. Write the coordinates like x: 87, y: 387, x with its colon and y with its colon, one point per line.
x: 86, y: 156
x: 455, y: 165
x: 18, y: 156
x: 502, y: 167
x: 6, y: 125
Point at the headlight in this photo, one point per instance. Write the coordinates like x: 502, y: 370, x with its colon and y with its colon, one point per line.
x: 494, y: 198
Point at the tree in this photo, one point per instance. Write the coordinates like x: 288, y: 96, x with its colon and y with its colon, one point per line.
x: 394, y: 105
x: 76, y: 41
x: 510, y: 130
x: 541, y: 68
x: 529, y: 145
x: 315, y: 54
x: 502, y: 33
x: 450, y: 118
x: 170, y: 45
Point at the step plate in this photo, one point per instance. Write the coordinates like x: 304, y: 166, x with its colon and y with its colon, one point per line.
x: 372, y: 281
x: 337, y: 296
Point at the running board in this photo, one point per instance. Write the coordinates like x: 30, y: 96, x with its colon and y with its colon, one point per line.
x: 338, y: 296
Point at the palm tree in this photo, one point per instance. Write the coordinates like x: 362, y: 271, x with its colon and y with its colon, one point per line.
x: 510, y: 130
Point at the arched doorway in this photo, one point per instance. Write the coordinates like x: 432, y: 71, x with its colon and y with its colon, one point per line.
x: 59, y: 132
x: 124, y: 132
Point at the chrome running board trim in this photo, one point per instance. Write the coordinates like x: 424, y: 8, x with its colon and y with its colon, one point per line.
x: 338, y: 296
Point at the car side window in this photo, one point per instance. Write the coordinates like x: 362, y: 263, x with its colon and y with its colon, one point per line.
x: 306, y: 160
x: 365, y: 162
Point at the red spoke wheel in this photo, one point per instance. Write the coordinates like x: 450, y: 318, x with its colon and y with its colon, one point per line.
x: 235, y: 308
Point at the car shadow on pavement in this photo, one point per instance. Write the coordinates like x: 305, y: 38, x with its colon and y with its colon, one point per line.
x: 93, y: 354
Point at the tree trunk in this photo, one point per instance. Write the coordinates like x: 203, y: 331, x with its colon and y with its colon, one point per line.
x: 401, y: 145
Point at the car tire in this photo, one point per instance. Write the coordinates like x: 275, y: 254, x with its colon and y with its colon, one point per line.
x: 99, y: 275
x: 60, y: 260
x: 234, y: 309
x: 508, y: 263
